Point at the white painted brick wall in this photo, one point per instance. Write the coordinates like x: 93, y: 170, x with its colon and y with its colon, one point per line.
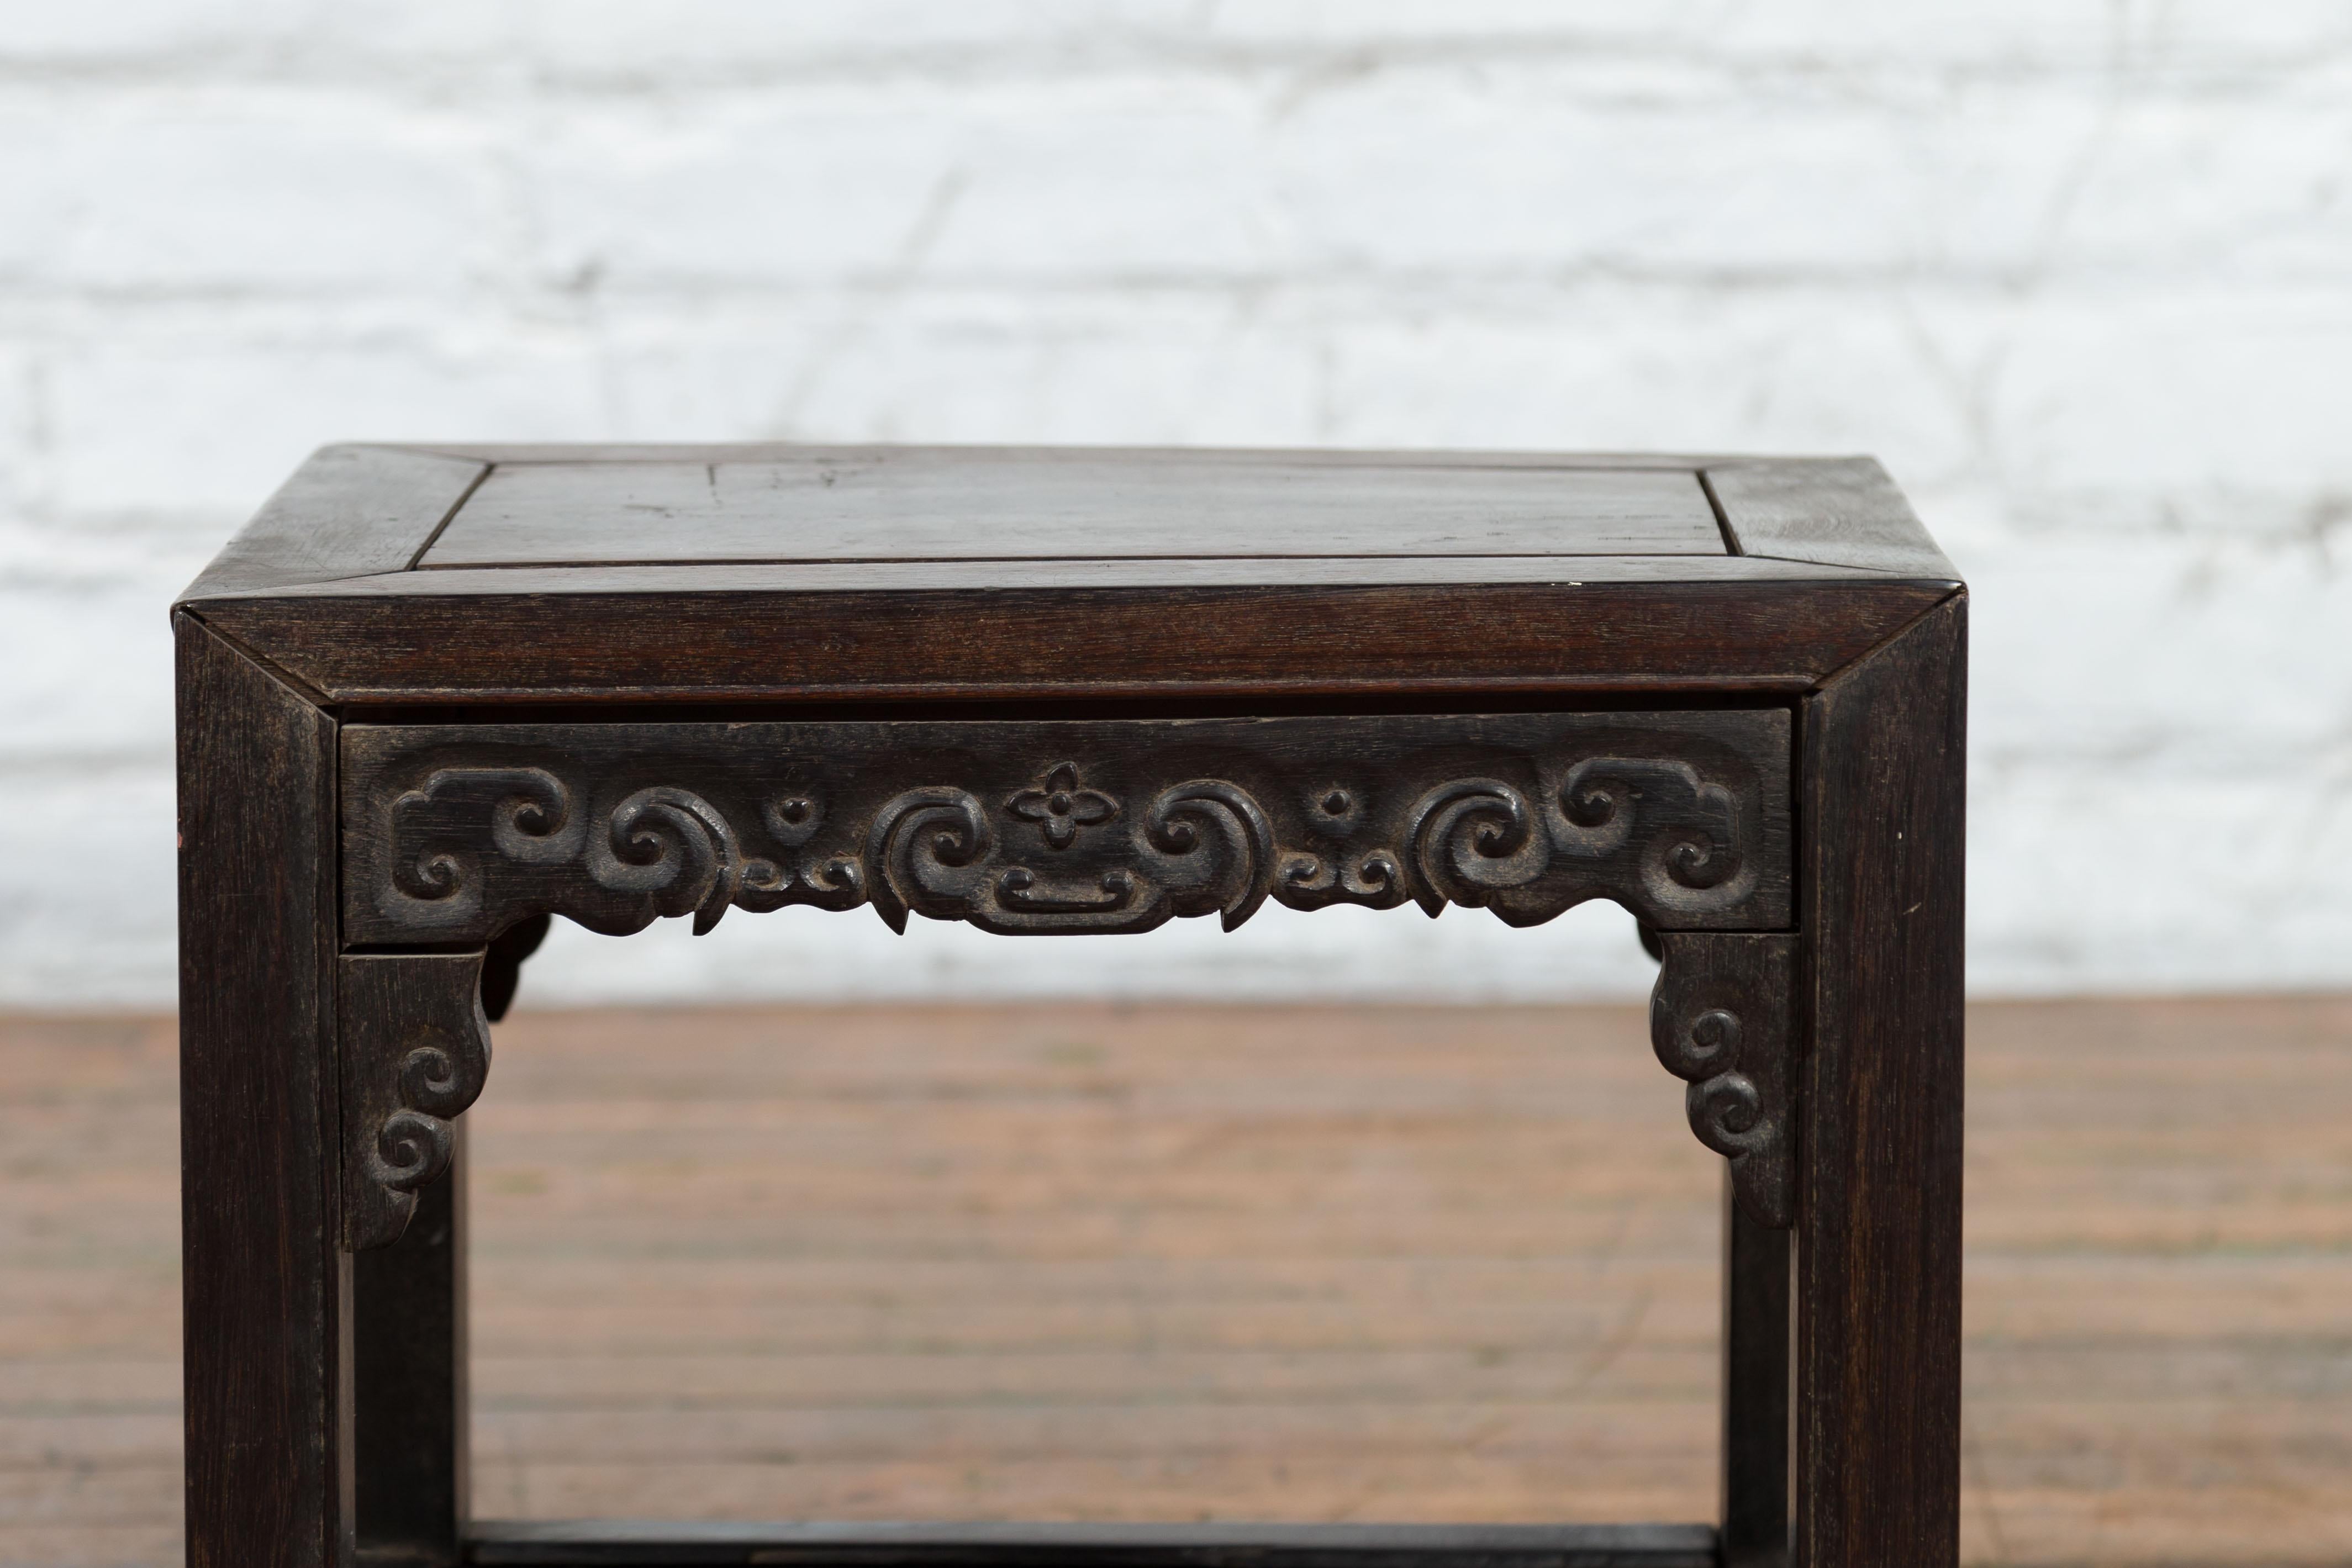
x: 2081, y: 273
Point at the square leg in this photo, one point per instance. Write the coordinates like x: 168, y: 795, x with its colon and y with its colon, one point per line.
x: 1878, y: 1212
x: 265, y: 1287
x: 1755, y: 1335
x: 409, y: 1427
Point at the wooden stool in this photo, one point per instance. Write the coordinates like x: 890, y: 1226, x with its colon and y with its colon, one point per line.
x: 431, y: 697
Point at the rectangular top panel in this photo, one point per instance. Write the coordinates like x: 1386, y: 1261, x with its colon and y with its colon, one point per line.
x: 928, y: 574
x: 904, y: 504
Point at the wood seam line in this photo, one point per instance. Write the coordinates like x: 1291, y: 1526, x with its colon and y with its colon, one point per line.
x: 294, y: 684
x: 1833, y: 676
x: 456, y: 507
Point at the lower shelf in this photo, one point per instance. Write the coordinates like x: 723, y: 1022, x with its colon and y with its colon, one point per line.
x: 633, y: 1544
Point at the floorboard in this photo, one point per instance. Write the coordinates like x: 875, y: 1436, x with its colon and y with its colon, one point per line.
x: 1078, y: 1262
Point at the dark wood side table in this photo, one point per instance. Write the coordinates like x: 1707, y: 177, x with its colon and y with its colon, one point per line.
x: 430, y: 699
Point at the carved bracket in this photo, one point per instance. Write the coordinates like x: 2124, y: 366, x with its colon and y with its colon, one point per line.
x: 1723, y: 1020
x: 473, y: 835
x: 454, y: 834
x: 415, y: 1050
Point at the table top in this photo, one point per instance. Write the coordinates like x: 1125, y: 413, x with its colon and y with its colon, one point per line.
x: 880, y: 504
x: 425, y: 574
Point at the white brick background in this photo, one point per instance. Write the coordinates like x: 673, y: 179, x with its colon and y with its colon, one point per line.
x: 2080, y: 273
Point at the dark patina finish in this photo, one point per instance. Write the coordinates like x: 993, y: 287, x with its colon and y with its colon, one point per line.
x: 431, y: 698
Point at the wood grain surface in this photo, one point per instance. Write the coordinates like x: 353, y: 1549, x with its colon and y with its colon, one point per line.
x: 349, y: 511
x: 258, y: 1117
x: 569, y: 574
x: 1843, y: 511
x: 882, y: 503
x: 1877, y: 1376
x: 1077, y: 1262
x: 542, y: 636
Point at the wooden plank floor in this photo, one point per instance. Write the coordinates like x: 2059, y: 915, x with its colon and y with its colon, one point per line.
x: 1390, y: 1262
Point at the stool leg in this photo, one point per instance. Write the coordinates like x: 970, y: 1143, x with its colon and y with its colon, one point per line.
x: 1755, y: 1390
x: 263, y: 1284
x: 1877, y: 1293
x: 408, y: 1312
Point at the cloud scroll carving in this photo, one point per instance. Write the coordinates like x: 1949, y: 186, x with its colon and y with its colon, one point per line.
x: 452, y: 834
